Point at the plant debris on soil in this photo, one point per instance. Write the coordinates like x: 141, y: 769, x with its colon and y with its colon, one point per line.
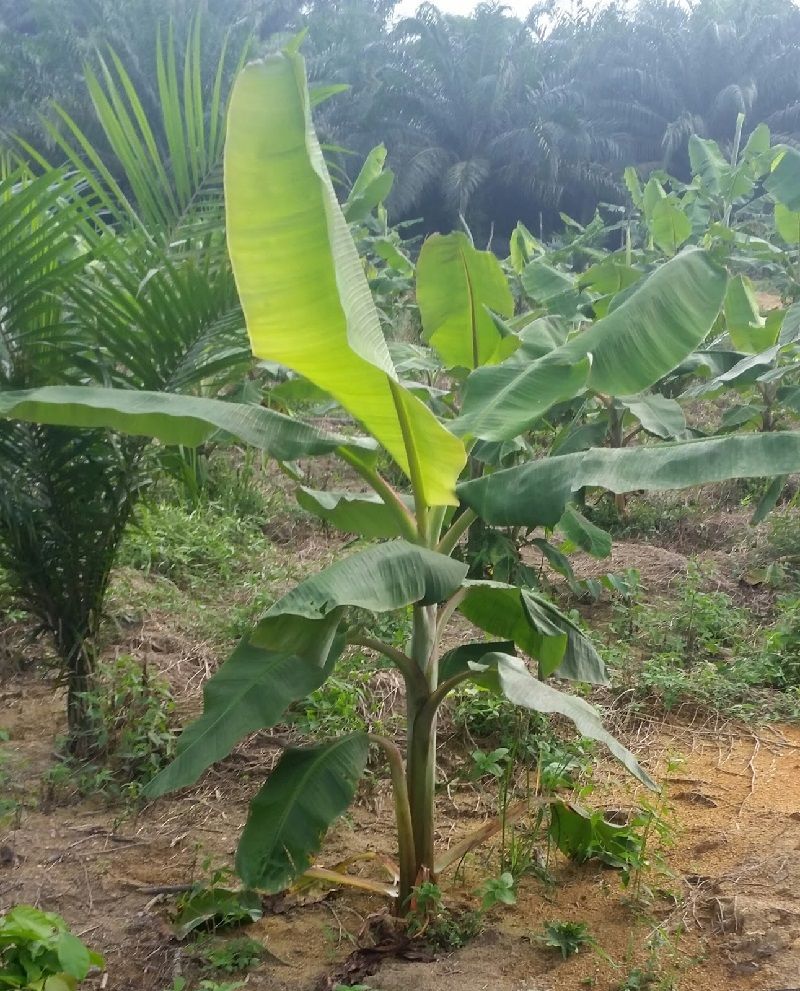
x: 723, y: 897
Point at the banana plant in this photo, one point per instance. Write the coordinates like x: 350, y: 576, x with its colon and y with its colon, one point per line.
x: 307, y: 305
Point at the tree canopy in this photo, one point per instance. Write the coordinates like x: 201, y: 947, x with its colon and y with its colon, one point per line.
x: 488, y: 117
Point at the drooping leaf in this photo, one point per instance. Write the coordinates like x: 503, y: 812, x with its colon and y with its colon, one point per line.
x: 301, y: 283
x: 537, y: 627
x: 520, y: 687
x: 172, y: 418
x: 363, y: 513
x: 465, y: 658
x: 536, y: 493
x: 455, y: 285
x: 503, y: 401
x: 769, y: 500
x: 583, y: 533
x: 308, y: 790
x: 659, y: 415
x: 251, y: 691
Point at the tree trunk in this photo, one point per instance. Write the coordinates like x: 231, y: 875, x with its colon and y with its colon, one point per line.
x: 83, y: 733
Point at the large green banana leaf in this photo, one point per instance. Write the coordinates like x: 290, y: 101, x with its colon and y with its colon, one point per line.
x: 645, y: 338
x: 251, y: 691
x: 289, y: 817
x: 381, y: 578
x: 455, y: 285
x: 536, y: 494
x: 665, y: 318
x: 535, y: 626
x: 501, y: 402
x: 302, y: 285
x: 173, y: 418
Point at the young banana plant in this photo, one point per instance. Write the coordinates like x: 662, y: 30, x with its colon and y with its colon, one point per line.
x: 308, y: 307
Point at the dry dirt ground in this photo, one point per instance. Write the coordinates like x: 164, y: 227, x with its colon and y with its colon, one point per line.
x: 725, y: 910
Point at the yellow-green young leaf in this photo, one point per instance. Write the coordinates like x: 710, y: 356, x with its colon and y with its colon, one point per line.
x: 523, y: 247
x: 631, y: 177
x: 748, y: 330
x: 783, y: 182
x: 758, y: 144
x: 371, y: 187
x: 455, y: 285
x: 653, y: 193
x: 301, y: 282
x: 787, y: 223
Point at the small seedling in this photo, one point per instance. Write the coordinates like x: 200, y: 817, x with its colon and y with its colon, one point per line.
x: 437, y: 925
x: 498, y: 891
x: 639, y: 980
x: 234, y: 955
x: 566, y: 937
x: 490, y: 765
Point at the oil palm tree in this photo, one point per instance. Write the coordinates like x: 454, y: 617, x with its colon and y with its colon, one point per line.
x: 667, y: 71
x: 483, y: 119
x: 107, y: 282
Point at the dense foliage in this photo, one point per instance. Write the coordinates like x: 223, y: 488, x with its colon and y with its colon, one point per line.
x: 488, y: 116
x: 496, y: 396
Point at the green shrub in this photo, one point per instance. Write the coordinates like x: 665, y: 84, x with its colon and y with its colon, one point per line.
x: 38, y: 952
x: 130, y: 709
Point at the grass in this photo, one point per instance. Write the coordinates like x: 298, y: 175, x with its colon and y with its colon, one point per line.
x: 703, y: 651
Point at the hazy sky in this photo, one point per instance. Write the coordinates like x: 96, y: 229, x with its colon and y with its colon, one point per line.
x: 519, y: 7
x: 406, y: 7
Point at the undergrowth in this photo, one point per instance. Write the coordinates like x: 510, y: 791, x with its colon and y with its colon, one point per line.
x: 131, y: 709
x: 702, y: 651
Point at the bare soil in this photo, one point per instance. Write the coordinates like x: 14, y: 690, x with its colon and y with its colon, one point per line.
x: 724, y: 903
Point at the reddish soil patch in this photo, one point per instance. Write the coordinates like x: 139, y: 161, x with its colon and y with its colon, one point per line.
x: 726, y: 913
